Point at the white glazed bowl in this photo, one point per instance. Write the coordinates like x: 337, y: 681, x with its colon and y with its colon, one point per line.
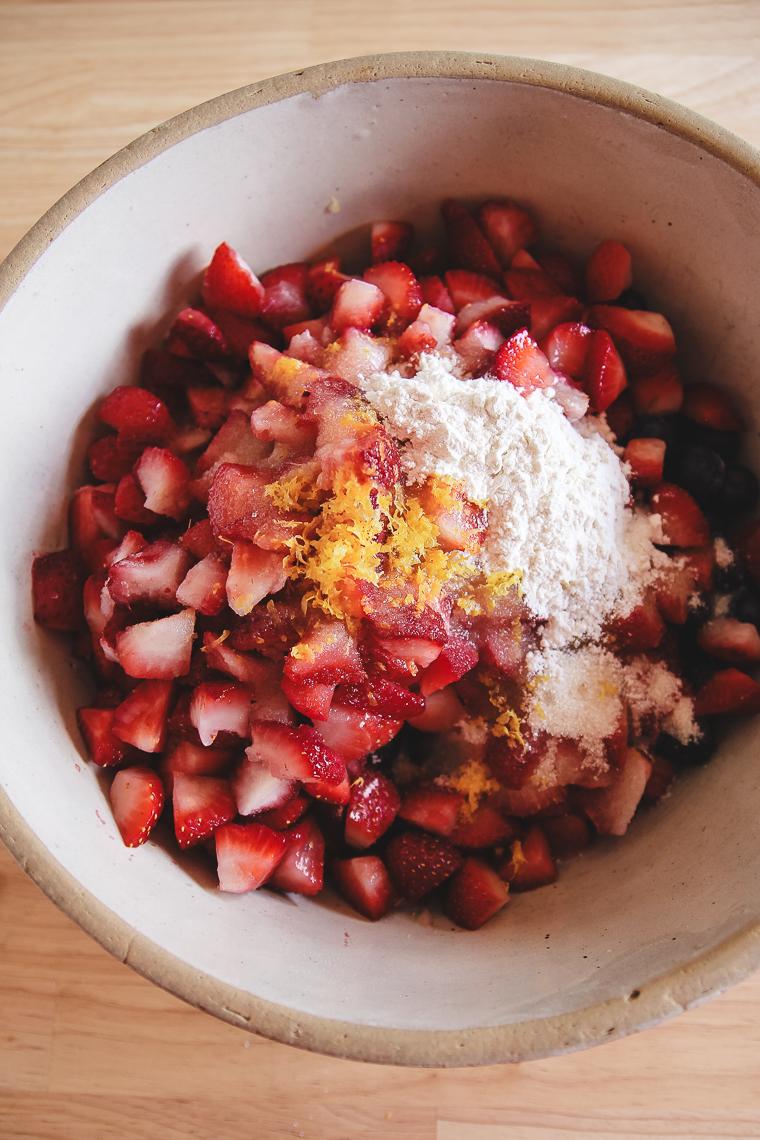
x: 639, y: 928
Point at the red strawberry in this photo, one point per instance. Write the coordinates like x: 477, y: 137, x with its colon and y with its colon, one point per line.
x: 151, y: 575
x: 564, y: 272
x: 365, y: 884
x: 285, y: 300
x: 157, y: 649
x: 247, y: 854
x: 604, y: 376
x: 233, y: 443
x: 231, y: 284
x: 507, y: 227
x: 164, y: 480
x: 309, y: 697
x: 646, y: 458
x: 402, y: 291
x: 435, y: 293
x: 280, y: 818
x: 137, y: 800
x: 621, y: 415
x: 530, y: 799
x: 522, y: 363
x: 272, y: 629
x: 92, y: 517
x: 746, y: 542
x: 129, y: 503
x: 391, y: 241
x: 433, y: 809
x: 476, y: 894
x: 659, y: 394
x: 660, y: 779
x: 195, y: 335
x: 193, y: 760
x: 611, y: 809
x: 240, y: 332
x: 326, y: 654
x: 111, y: 458
x: 506, y: 316
x: 513, y: 763
x: 708, y: 405
x: 137, y: 414
x: 295, y: 753
x: 417, y: 862
x: 274, y: 421
x: 700, y: 562
x: 455, y: 659
x: 254, y: 573
x: 301, y: 869
x: 96, y: 726
x: 443, y: 710
x: 257, y: 790
x: 485, y: 828
x: 737, y: 642
x: 568, y: 835
x: 416, y: 338
x: 141, y: 718
x: 58, y: 584
x: 531, y: 864
x: 566, y: 348
x: 644, y: 340
x: 204, y: 586
x: 384, y: 698
x: 371, y: 810
x: 323, y: 282
x: 608, y: 271
x: 352, y: 733
x: 478, y: 346
x: 336, y: 794
x: 546, y: 312
x: 642, y: 628
x: 220, y: 706
x: 672, y: 592
x: 729, y: 691
x: 201, y: 805
x: 468, y: 248
x: 358, y: 304
x: 465, y: 287
x: 530, y: 284
x: 683, y: 523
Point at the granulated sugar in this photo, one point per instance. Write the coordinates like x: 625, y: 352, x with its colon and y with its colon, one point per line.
x: 557, y: 497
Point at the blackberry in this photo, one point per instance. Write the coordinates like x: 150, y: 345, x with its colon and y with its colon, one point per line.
x: 690, y: 755
x: 701, y: 472
x: 745, y: 606
x: 630, y: 299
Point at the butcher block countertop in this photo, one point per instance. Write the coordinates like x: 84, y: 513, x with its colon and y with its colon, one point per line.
x: 91, y: 1051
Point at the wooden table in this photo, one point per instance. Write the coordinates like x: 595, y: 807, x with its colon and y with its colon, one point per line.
x: 88, y: 1050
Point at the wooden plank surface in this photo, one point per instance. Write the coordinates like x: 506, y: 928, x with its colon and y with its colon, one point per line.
x: 90, y: 1051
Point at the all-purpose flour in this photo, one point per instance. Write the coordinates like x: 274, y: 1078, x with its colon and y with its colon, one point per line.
x: 558, y: 500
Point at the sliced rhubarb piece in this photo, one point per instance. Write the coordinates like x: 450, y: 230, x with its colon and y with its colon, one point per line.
x: 301, y: 869
x: 158, y: 649
x: 257, y: 790
x: 164, y: 480
x: 521, y: 363
x: 402, y: 291
x: 151, y: 575
x: 604, y: 376
x: 507, y: 227
x: 644, y: 340
x: 530, y: 864
x: 710, y: 406
x: 366, y: 885
x: 729, y: 691
x: 141, y: 718
x: 230, y: 283
x: 201, y: 805
x: 432, y: 809
x: 220, y: 706
x: 106, y: 750
x: 137, y: 800
x: 737, y: 642
x: 468, y: 248
x: 254, y: 573
x: 417, y: 862
x: 204, y: 586
x: 295, y: 753
x: 682, y: 522
x: 372, y: 808
x: 358, y: 304
x: 476, y: 893
x: 58, y: 581
x: 247, y: 854
x: 608, y: 271
x: 646, y: 458
x: 611, y: 809
x: 391, y: 241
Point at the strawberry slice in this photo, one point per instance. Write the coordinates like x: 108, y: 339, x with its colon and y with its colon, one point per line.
x: 233, y: 443
x: 417, y: 862
x: 151, y: 575
x: 455, y: 659
x: 309, y: 697
x: 366, y: 885
x: 530, y: 284
x: 737, y: 642
x: 301, y: 869
x: 465, y: 288
x: 611, y: 809
x: 157, y: 649
x: 323, y: 282
x: 193, y: 760
x: 337, y: 794
x: 164, y: 480
x: 111, y: 458
x: 567, y: 346
x: 391, y: 241
x: 486, y: 827
x: 476, y: 894
x: 478, y: 346
x: 295, y: 753
x: 247, y: 854
x: 280, y: 818
x: 195, y: 335
x: 468, y: 248
x: 729, y: 691
x: 641, y: 629
x: 506, y: 316
x: 96, y: 726
x: 285, y: 300
x: 672, y: 591
x: 682, y: 522
x: 432, y: 809
x: 522, y: 363
x: 507, y: 227
x: 608, y: 271
x: 746, y: 542
x: 402, y: 290
x: 443, y: 710
x: 240, y: 332
x: 129, y: 503
x: 92, y: 517
x: 230, y: 283
x: 58, y: 581
x: 204, y: 586
x: 603, y: 376
x: 257, y: 790
x: 358, y: 304
x: 621, y: 415
x: 384, y: 698
x: 660, y: 779
x: 546, y: 312
x: 531, y: 864
x: 416, y: 338
x: 372, y: 808
x: 513, y: 763
x: 141, y: 718
x: 646, y: 458
x: 326, y: 654
x: 138, y: 415
x: 564, y: 272
x: 137, y: 800
x: 274, y: 421
x: 435, y: 294
x: 644, y: 340
x: 352, y: 733
x: 201, y: 805
x: 659, y: 394
x: 710, y: 406
x: 530, y: 799
x: 568, y: 835
x: 220, y: 706
x: 254, y: 573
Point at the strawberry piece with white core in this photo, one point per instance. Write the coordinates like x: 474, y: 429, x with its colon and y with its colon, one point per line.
x: 507, y: 227
x: 566, y: 348
x: 137, y: 800
x: 365, y: 883
x: 141, y: 718
x: 301, y: 869
x: 608, y: 271
x: 646, y: 458
x: 358, y: 304
x: 257, y: 790
x: 158, y: 649
x: 402, y: 291
x: 295, y: 753
x: 254, y: 573
x: 285, y: 300
x: 151, y: 575
x: 220, y: 706
x: 611, y: 809
x: 204, y: 586
x: 96, y: 726
x: 522, y: 363
x: 737, y: 642
x: 353, y: 733
x: 247, y: 854
x: 432, y: 809
x: 164, y: 480
x: 644, y: 340
x: 604, y: 376
x: 476, y: 894
x: 372, y: 808
x: 682, y: 522
x: 201, y: 805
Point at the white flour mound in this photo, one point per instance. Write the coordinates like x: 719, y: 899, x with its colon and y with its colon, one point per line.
x: 557, y: 497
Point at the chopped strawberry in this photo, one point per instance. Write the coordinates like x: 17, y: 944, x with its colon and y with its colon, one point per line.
x: 137, y: 800
x: 92, y: 517
x: 435, y: 293
x: 672, y: 591
x: 301, y: 870
x: 111, y: 458
x: 358, y: 304
x: 141, y: 718
x: 476, y: 894
x: 729, y: 691
x: 546, y: 312
x: 486, y: 827
x: 417, y: 862
x: 529, y: 284
x: 611, y: 809
x: 326, y: 654
x: 608, y: 272
x: 642, y: 628
x: 737, y: 642
x: 391, y: 241
x: 443, y: 709
x: 201, y: 805
x: 194, y: 334
x: 271, y: 629
x: 402, y: 290
x: 465, y: 287
x: 310, y: 697
x: 621, y: 415
x: 352, y: 733
x: 455, y: 659
x: 468, y: 248
x: 710, y: 406
x: 511, y: 762
x: 660, y: 779
x: 416, y: 338
x: 295, y: 753
x: 700, y: 562
x: 158, y: 649
x: 241, y: 510
x: 478, y: 346
x: 604, y: 376
x: 372, y: 808
x: 384, y: 698
x: 507, y: 316
x: 746, y: 542
x: 522, y: 363
x: 254, y: 573
x: 337, y: 794
x: 247, y: 854
x: 529, y: 799
x: 531, y: 864
x: 164, y: 480
x: 240, y: 332
x: 58, y: 581
x: 567, y: 346
x: 364, y: 882
x: 659, y: 394
x: 230, y: 283
x: 137, y: 414
x: 285, y: 300
x: 568, y: 835
x: 356, y: 354
x: 274, y: 421
x: 570, y: 396
x: 564, y: 272
x: 645, y: 458
x: 193, y: 760
x: 682, y: 522
x: 233, y: 443
x: 199, y: 540
x: 280, y: 818
x: 150, y: 575
x: 204, y: 586
x: 129, y: 503
x: 220, y: 706
x: 644, y: 340
x: 433, y: 809
x: 96, y: 726
x: 257, y: 790
x: 323, y: 282
x: 507, y: 227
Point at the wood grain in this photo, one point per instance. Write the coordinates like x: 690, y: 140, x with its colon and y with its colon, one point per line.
x: 90, y: 1051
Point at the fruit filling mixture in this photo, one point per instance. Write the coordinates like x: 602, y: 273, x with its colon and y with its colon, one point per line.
x: 418, y: 580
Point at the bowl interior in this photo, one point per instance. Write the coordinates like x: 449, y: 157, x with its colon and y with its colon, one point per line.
x: 280, y: 182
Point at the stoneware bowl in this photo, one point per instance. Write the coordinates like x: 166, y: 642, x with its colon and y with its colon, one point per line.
x: 638, y: 929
